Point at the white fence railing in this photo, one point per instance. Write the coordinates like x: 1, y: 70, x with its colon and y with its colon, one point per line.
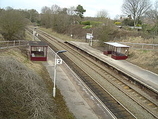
x: 142, y: 46
x: 15, y: 43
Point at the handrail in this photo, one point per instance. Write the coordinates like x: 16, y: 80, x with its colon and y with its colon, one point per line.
x: 15, y: 43
x: 143, y: 46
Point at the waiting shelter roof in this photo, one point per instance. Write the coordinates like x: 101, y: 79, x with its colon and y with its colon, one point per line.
x: 115, y: 44
x: 37, y: 43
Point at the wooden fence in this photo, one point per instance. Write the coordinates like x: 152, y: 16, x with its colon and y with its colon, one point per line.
x: 142, y: 46
x: 10, y: 44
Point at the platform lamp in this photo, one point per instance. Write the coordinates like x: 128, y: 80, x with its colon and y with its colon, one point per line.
x: 55, y: 68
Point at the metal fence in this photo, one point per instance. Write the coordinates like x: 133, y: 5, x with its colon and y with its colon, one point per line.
x: 10, y: 44
x: 142, y: 46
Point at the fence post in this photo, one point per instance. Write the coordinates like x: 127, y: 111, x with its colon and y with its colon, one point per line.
x: 14, y: 43
x: 7, y: 44
x: 142, y: 46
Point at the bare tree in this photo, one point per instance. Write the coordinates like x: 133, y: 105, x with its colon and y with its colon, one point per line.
x: 12, y: 24
x: 46, y: 17
x: 71, y: 11
x: 136, y: 8
x: 55, y: 9
x: 152, y: 17
x: 102, y: 14
x: 153, y: 13
x: 33, y: 15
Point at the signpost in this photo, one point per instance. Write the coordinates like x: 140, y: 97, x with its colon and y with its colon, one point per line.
x: 89, y: 36
x: 59, y: 61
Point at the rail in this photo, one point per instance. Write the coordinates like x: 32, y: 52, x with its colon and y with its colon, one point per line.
x: 142, y: 46
x: 11, y: 44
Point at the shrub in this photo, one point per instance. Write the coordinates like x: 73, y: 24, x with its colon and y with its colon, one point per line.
x: 128, y: 22
x: 96, y: 23
x: 118, y: 23
x: 138, y: 25
x: 85, y: 22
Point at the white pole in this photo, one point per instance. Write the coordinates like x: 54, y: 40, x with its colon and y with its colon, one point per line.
x: 55, y: 72
x: 55, y: 67
x: 34, y: 34
x: 14, y: 43
x: 91, y: 41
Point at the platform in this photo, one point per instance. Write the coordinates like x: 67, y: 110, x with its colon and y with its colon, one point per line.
x: 79, y: 100
x: 141, y: 75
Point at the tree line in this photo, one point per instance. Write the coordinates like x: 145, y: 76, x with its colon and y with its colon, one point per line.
x: 138, y: 13
x: 14, y: 21
x: 59, y: 18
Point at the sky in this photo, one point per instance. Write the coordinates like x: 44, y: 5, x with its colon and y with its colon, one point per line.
x: 113, y: 7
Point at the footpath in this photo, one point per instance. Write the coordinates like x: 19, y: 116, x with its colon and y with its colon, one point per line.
x: 78, y: 98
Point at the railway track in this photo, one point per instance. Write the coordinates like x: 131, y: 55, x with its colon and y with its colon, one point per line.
x: 124, y: 85
x: 93, y: 82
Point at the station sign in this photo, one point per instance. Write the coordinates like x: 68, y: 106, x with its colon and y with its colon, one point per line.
x: 89, y: 36
x: 59, y: 61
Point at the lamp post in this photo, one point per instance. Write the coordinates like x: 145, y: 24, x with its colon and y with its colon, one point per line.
x: 55, y: 67
x: 34, y: 33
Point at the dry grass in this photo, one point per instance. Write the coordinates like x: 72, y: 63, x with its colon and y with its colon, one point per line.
x: 21, y: 56
x: 140, y: 40
x: 23, y: 93
x: 61, y: 36
x: 26, y: 89
x: 145, y: 59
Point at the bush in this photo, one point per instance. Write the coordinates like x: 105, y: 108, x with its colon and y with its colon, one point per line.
x: 85, y: 23
x: 138, y: 25
x: 118, y: 23
x: 96, y: 23
x: 128, y: 22
x: 93, y: 23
